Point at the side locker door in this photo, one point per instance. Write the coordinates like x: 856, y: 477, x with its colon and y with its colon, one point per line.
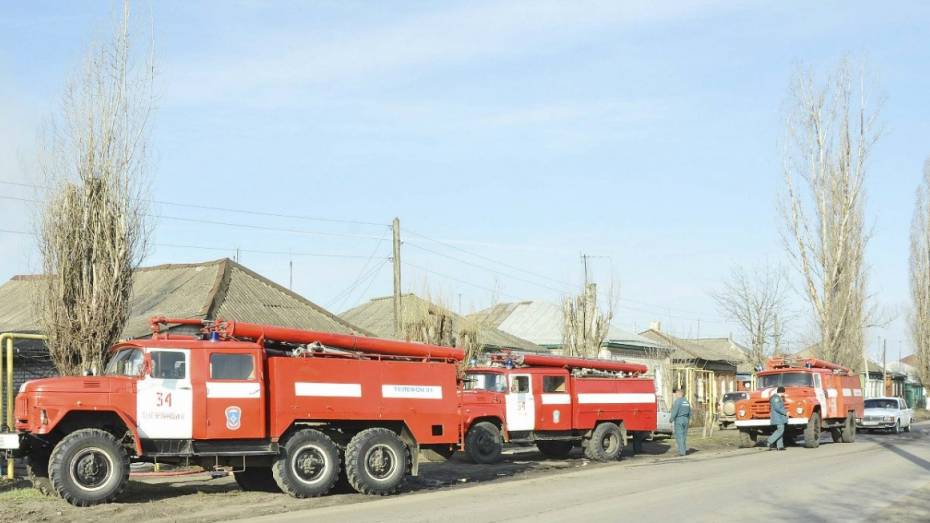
x: 164, y: 399
x: 555, y: 403
x: 235, y: 406
x: 521, y: 409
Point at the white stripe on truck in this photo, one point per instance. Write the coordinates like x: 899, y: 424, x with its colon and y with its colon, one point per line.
x: 617, y: 397
x: 419, y: 392
x: 556, y: 399
x: 233, y: 390
x: 330, y: 390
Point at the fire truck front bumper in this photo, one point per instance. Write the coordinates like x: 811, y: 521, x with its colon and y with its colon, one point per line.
x: 9, y: 441
x: 766, y: 422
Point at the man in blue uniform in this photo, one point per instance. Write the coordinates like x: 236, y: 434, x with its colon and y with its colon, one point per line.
x: 779, y: 418
x: 681, y: 418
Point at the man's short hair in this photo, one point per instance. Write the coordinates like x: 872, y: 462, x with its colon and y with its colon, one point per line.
x: 678, y: 389
x: 780, y: 390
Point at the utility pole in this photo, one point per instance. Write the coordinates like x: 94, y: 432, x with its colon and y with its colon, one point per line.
x: 398, y: 306
x: 884, y: 368
x: 290, y: 277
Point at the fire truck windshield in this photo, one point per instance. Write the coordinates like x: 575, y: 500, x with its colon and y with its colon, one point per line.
x: 486, y: 381
x: 786, y: 379
x: 127, y: 362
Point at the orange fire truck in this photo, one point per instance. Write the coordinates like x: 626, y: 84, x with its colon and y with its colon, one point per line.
x: 819, y: 396
x: 557, y: 403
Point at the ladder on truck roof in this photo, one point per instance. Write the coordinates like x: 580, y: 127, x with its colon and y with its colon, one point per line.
x: 807, y: 363
x: 566, y: 362
x: 221, y: 330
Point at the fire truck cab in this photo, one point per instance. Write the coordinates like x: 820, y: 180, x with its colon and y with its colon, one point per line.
x: 819, y: 396
x: 557, y: 404
x: 285, y: 411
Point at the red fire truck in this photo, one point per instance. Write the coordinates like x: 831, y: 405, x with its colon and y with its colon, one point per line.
x: 285, y: 408
x: 557, y: 403
x: 819, y: 396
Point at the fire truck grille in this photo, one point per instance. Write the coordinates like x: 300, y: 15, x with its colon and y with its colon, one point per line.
x: 760, y: 409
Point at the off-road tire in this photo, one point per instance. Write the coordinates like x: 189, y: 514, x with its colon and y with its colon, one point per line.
x: 377, y: 462
x: 483, y: 443
x: 555, y: 449
x: 308, y: 465
x: 37, y: 473
x: 256, y: 479
x: 849, y: 429
x: 606, y: 443
x: 747, y: 439
x: 89, y: 467
x: 812, y: 432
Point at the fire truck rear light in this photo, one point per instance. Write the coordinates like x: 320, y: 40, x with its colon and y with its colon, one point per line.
x: 43, y: 417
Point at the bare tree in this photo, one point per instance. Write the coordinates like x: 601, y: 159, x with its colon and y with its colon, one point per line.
x: 92, y: 232
x: 920, y: 277
x: 584, y: 325
x: 831, y: 130
x: 756, y: 301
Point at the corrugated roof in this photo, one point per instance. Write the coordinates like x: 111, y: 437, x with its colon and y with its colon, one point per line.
x: 215, y: 289
x: 739, y: 353
x: 541, y: 323
x: 377, y: 316
x: 689, y: 350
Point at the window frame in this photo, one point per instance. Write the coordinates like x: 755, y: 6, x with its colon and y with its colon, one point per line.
x: 251, y: 356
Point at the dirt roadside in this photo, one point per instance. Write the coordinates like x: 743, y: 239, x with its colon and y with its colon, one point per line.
x: 197, y: 498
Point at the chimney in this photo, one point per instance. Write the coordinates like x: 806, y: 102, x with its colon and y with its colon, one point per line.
x: 656, y: 326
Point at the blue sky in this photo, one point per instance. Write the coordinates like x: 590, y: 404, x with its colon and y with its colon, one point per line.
x: 519, y: 134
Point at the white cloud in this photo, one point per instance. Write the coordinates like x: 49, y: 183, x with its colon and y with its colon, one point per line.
x: 280, y: 65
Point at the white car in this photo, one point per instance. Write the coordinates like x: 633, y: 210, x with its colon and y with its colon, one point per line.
x: 886, y: 414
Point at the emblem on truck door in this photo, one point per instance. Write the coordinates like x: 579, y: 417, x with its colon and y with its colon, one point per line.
x: 233, y: 418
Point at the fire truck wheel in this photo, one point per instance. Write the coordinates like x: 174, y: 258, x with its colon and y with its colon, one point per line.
x: 605, y: 444
x: 308, y: 465
x: 256, y: 479
x: 483, y: 444
x: 849, y: 429
x: 37, y: 472
x: 812, y: 432
x: 836, y: 435
x: 555, y: 449
x: 89, y: 467
x: 376, y: 461
x: 747, y: 439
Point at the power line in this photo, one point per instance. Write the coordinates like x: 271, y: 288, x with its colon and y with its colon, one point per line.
x: 561, y: 291
x: 256, y: 251
x: 486, y: 258
x: 228, y: 209
x: 428, y: 271
x: 265, y: 228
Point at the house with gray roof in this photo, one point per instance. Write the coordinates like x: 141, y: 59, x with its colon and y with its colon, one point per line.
x: 541, y: 322
x: 377, y: 316
x: 219, y: 289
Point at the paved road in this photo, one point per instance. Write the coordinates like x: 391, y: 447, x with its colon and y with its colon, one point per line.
x: 880, y: 477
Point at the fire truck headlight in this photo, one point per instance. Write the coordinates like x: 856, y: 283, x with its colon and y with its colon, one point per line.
x: 742, y: 413
x: 43, y: 417
x: 799, y: 409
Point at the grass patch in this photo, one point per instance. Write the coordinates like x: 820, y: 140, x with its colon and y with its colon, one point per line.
x: 921, y: 414
x: 21, y: 494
